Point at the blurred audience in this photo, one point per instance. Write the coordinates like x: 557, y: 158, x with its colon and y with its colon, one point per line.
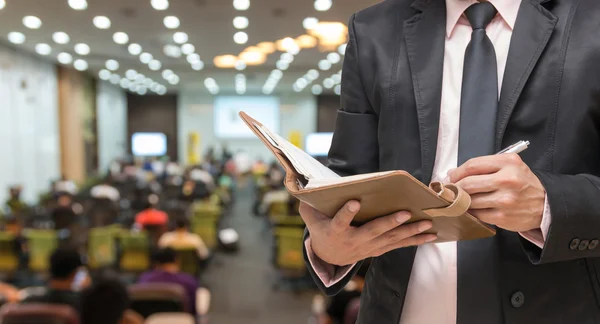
x: 151, y: 216
x: 66, y: 212
x: 193, y: 190
x: 200, y: 175
x: 181, y: 238
x: 105, y: 190
x: 68, y: 276
x: 15, y: 204
x: 65, y: 186
x: 107, y: 302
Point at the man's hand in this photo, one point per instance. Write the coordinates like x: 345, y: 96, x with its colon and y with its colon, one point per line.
x: 336, y: 242
x: 504, y: 192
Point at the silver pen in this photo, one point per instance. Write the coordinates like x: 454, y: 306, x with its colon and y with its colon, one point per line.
x: 518, y: 147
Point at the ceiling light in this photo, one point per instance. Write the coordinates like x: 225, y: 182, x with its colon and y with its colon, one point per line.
x: 32, y: 22
x: 171, y: 22
x: 197, y: 66
x: 295, y: 49
x: 102, y: 22
x: 342, y: 49
x: 80, y: 65
x: 241, y: 4
x: 133, y: 87
x: 210, y: 83
x: 180, y: 37
x: 154, y: 65
x: 240, y: 38
x: 336, y: 78
x: 64, y: 58
x: 313, y: 74
x: 78, y: 4
x: 240, y: 65
x: 142, y: 91
x: 125, y: 83
x: 225, y: 61
x: 166, y: 74
x: 322, y: 5
x: 324, y: 65
x: 282, y: 65
x: 310, y: 22
x: 114, y: 78
x: 302, y: 83
x: 82, y: 49
x: 146, y: 58
x: 316, y: 89
x: 306, y: 41
x: 120, y: 38
x: 240, y: 22
x: 187, y: 49
x: 328, y: 83
x: 330, y: 34
x: 104, y: 74
x: 252, y: 58
x: 43, y: 49
x: 134, y: 49
x: 174, y: 79
x: 338, y: 89
x: 283, y: 45
x: 287, y: 57
x: 171, y: 50
x: 148, y: 82
x: 277, y: 74
x: 2, y: 4
x: 16, y: 38
x: 112, y: 65
x: 61, y: 37
x: 192, y: 58
x: 295, y: 87
x: 160, y: 4
x: 333, y: 57
x: 131, y: 74
x: 162, y: 91
x: 140, y: 78
x: 266, y: 47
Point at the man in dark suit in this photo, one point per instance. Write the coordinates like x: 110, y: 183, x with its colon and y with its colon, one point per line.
x: 436, y: 87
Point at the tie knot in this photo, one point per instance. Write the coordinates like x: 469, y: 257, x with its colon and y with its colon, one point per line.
x: 480, y: 14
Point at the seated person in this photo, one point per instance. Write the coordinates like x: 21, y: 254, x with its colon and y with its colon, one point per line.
x: 8, y: 293
x: 107, y: 302
x: 182, y: 238
x: 14, y: 204
x: 151, y: 216
x: 105, y: 191
x: 200, y: 175
x: 65, y: 213
x: 192, y: 190
x: 271, y: 197
x: 65, y: 186
x: 68, y: 276
x: 166, y: 270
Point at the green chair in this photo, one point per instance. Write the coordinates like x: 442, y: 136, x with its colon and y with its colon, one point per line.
x: 41, y: 244
x: 288, y: 220
x: 206, y: 228
x: 102, y: 248
x: 9, y: 260
x: 135, y: 252
x: 188, y: 261
x: 289, y: 255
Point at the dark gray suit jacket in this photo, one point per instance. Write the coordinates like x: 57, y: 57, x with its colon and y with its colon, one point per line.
x: 391, y: 92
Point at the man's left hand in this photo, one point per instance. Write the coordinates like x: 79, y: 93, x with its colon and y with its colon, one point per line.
x: 504, y: 191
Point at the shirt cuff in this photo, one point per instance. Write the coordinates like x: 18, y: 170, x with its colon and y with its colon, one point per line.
x: 327, y: 273
x: 538, y: 236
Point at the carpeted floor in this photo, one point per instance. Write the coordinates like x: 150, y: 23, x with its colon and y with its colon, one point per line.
x: 242, y: 283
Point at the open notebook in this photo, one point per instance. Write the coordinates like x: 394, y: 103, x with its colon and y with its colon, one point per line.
x: 315, y: 173
x: 380, y: 193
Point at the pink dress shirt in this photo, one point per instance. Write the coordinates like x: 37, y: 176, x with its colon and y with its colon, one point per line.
x: 433, y: 279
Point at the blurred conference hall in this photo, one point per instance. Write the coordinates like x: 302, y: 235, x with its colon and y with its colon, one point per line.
x: 131, y: 191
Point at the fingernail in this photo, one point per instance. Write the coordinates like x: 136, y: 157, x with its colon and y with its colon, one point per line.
x: 423, y: 226
x: 353, y: 206
x: 402, y: 217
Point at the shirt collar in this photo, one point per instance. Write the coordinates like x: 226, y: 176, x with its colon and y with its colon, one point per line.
x: 508, y: 10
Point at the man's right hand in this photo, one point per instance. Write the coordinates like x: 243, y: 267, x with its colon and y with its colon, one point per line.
x: 336, y: 242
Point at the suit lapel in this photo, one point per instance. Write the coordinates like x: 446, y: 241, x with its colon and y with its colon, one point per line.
x: 532, y: 31
x: 425, y: 35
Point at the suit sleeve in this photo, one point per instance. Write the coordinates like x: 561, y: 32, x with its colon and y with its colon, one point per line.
x: 354, y: 149
x: 574, y: 231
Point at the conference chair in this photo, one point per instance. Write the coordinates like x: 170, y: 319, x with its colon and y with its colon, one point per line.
x: 151, y: 298
x: 102, y: 247
x: 135, y: 252
x: 41, y: 244
x: 289, y: 258
x: 38, y: 314
x: 9, y: 258
x: 188, y: 261
x: 170, y: 318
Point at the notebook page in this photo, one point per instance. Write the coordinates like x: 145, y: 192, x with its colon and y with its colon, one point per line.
x: 317, y: 183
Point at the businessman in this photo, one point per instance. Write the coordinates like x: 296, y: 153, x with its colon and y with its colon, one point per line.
x: 437, y: 87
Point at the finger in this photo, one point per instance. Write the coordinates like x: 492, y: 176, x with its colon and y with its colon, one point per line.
x: 401, y: 233
x: 343, y: 218
x: 379, y: 226
x: 488, y: 215
x: 479, y: 183
x: 411, y: 241
x: 484, y: 201
x: 310, y: 215
x: 477, y: 166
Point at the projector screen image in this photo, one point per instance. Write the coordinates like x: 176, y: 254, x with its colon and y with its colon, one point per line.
x: 149, y: 144
x: 318, y: 144
x: 229, y: 125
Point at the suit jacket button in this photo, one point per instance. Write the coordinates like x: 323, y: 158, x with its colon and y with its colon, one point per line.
x: 517, y: 299
x: 574, y: 244
x: 583, y: 245
x: 593, y: 245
